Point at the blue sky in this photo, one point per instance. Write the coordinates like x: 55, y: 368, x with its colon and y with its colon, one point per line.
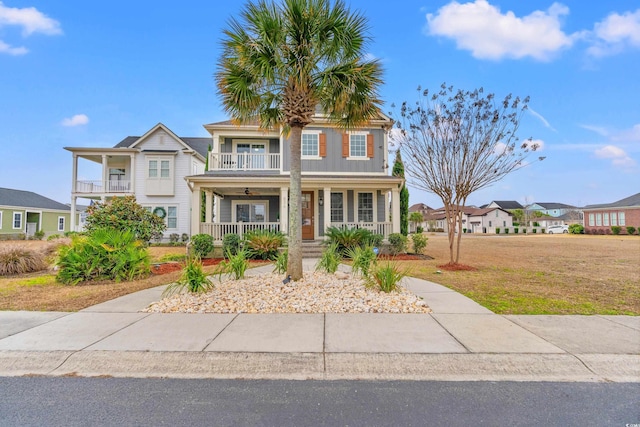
x: 86, y: 73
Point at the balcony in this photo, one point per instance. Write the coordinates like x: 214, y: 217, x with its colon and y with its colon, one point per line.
x: 98, y: 187
x: 244, y: 161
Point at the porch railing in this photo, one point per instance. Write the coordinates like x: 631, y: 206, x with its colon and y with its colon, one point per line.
x: 384, y: 228
x: 218, y: 230
x: 97, y: 187
x: 244, y: 161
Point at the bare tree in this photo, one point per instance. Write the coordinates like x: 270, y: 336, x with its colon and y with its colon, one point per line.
x: 456, y: 142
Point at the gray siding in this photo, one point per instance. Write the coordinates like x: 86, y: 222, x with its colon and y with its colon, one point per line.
x: 273, y: 145
x: 381, y: 202
x: 334, y: 162
x: 226, y: 206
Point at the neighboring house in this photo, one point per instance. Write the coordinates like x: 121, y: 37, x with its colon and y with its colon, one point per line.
x: 507, y: 205
x: 551, y: 209
x: 23, y: 213
x: 345, y: 180
x: 474, y: 220
x: 425, y: 211
x: 598, y: 219
x: 151, y: 167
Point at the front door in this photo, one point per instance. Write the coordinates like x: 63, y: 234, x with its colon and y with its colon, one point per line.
x: 307, y: 215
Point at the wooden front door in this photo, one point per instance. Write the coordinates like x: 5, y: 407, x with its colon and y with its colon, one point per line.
x: 307, y: 215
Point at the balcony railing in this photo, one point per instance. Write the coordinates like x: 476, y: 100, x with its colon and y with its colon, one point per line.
x: 244, y: 161
x: 218, y: 230
x: 97, y: 187
x: 383, y: 228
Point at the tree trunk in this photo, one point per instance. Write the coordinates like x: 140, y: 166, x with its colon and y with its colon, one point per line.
x: 294, y: 261
x: 450, y: 216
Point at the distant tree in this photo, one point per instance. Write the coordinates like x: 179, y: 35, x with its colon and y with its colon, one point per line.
x: 282, y: 60
x: 398, y: 170
x: 457, y: 142
x: 416, y: 218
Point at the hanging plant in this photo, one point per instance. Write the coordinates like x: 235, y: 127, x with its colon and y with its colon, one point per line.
x: 159, y: 211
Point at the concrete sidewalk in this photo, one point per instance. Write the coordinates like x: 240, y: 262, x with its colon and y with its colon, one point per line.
x: 460, y: 340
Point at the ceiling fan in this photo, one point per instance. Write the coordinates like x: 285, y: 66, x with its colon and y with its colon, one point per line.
x: 249, y: 192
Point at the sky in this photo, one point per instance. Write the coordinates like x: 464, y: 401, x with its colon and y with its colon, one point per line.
x: 90, y: 73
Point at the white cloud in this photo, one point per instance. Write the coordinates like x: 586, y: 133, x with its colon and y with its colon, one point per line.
x: 77, y: 120
x: 5, y: 48
x: 617, y: 155
x: 489, y: 34
x: 629, y: 135
x: 541, y: 118
x: 616, y: 33
x: 597, y: 129
x: 31, y: 20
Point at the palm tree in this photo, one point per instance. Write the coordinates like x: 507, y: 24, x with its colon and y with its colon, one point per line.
x: 282, y: 60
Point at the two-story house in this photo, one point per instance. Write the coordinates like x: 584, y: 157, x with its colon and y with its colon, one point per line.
x: 345, y: 178
x: 151, y: 167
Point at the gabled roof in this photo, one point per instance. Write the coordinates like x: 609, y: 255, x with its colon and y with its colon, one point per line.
x: 419, y: 207
x: 198, y: 144
x: 631, y: 201
x: 550, y: 205
x: 28, y: 199
x: 507, y: 204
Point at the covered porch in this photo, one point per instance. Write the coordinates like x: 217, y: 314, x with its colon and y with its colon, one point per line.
x: 236, y: 204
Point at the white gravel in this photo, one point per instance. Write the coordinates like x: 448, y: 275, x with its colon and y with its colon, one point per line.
x: 316, y: 293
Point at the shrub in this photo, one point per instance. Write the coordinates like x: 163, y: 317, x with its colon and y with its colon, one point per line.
x: 38, y: 235
x: 193, y: 279
x: 106, y: 254
x: 385, y: 277
x: 464, y: 230
x: 361, y: 258
x: 630, y: 230
x: 235, y: 265
x: 515, y: 230
x: 18, y: 260
x: 535, y: 230
x: 348, y: 238
x: 53, y: 237
x: 419, y: 242
x: 330, y: 259
x: 576, y: 229
x: 263, y: 244
x: 373, y: 239
x: 542, y: 230
x: 174, y: 237
x: 202, y: 245
x: 524, y: 231
x: 497, y: 230
x: 184, y: 237
x: 280, y: 265
x: 506, y: 231
x: 397, y: 243
x: 124, y: 214
x: 616, y: 229
x: 231, y: 243
x: 419, y: 230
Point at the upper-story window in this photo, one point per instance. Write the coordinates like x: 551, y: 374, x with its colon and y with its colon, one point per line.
x: 314, y: 145
x: 159, y: 180
x: 357, y: 145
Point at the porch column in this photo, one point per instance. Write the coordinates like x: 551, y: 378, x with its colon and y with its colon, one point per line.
x: 132, y: 179
x: 195, y: 210
x: 72, y: 225
x: 395, y: 210
x: 105, y: 174
x: 284, y: 210
x: 207, y: 209
x: 74, y: 182
x: 326, y: 196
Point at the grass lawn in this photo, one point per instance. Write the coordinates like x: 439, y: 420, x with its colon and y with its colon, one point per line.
x: 515, y: 274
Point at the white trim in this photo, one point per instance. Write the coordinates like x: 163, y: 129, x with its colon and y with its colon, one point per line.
x: 345, y: 200
x: 358, y: 133
x: 374, y: 204
x: 13, y: 220
x: 311, y: 132
x: 63, y: 223
x: 235, y: 203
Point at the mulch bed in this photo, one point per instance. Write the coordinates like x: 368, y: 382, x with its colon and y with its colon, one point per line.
x: 405, y: 257
x: 169, y: 267
x: 456, y: 267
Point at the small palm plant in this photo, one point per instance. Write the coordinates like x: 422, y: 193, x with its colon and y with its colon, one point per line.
x: 280, y: 266
x: 361, y: 260
x: 385, y: 277
x: 235, y: 265
x: 330, y: 259
x: 193, y: 279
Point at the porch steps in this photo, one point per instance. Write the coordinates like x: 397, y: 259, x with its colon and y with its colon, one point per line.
x: 312, y: 249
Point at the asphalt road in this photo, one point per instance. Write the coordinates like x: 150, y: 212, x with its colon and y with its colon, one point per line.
x: 47, y: 401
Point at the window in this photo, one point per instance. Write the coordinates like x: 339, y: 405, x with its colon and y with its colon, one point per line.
x: 310, y: 145
x: 164, y: 169
x: 598, y: 220
x: 17, y: 220
x: 365, y: 207
x: 251, y: 211
x: 357, y: 145
x: 337, y: 207
x: 153, y: 168
x: 605, y: 219
x: 159, y: 173
x: 489, y: 223
x: 621, y: 219
x: 614, y: 218
x: 170, y: 214
x: 592, y: 220
x: 159, y: 168
x: 60, y: 223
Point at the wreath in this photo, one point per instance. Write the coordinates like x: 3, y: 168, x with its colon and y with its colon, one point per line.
x: 159, y: 211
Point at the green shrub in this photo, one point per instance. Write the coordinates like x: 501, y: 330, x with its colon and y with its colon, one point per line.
x: 535, y: 230
x: 173, y: 257
x: 53, y: 237
x: 124, y: 214
x: 397, y: 243
x: 419, y: 230
x: 542, y: 230
x: 373, y: 239
x: 347, y: 238
x: 497, y: 230
x: 362, y: 259
x: 231, y: 243
x: 235, y: 265
x: 506, y: 231
x: 106, y: 254
x: 524, y: 231
x: 263, y: 244
x: 38, y: 235
x: 330, y: 259
x: 280, y: 265
x: 616, y: 229
x: 630, y: 230
x: 419, y: 242
x: 464, y: 230
x: 18, y: 260
x: 576, y: 229
x: 385, y: 277
x: 202, y: 245
x: 515, y: 230
x: 193, y: 279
